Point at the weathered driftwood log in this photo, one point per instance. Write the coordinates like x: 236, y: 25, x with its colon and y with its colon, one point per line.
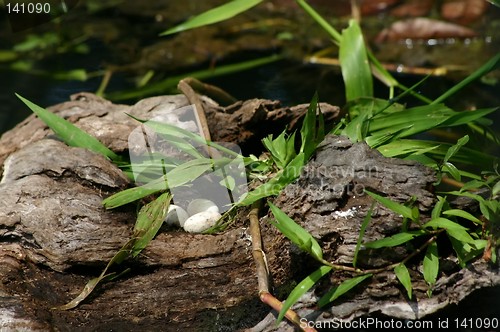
x: 55, y: 235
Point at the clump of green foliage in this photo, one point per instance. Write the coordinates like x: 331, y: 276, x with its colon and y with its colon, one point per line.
x: 383, y: 124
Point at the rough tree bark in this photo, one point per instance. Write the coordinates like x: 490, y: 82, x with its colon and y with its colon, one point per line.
x: 55, y: 234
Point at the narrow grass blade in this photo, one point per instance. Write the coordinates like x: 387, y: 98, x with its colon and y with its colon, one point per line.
x: 405, y: 211
x: 354, y: 63
x: 215, y: 15
x: 394, y: 240
x: 320, y: 20
x: 431, y: 266
x: 407, y: 147
x: 466, y: 117
x: 313, y: 129
x: 169, y: 85
x: 302, y: 288
x: 366, y: 221
x: 295, y: 233
x: 492, y: 64
x: 69, y: 133
x: 404, y: 278
x: 341, y: 289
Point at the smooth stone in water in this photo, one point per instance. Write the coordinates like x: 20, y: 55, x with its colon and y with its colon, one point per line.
x: 201, y: 221
x: 200, y: 204
x: 176, y: 216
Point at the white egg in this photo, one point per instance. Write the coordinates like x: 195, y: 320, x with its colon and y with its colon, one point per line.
x: 201, y: 221
x: 200, y: 204
x: 176, y: 216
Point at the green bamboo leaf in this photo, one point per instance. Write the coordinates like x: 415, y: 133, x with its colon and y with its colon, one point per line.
x: 431, y: 266
x: 466, y: 117
x: 443, y: 223
x: 404, y: 278
x: 277, y: 183
x: 453, y: 170
x: 149, y: 221
x: 405, y: 147
x: 69, y: 133
x: 215, y: 15
x: 438, y: 207
x: 410, y: 121
x: 394, y: 240
x: 463, y: 214
x: 460, y: 235
x: 178, y: 176
x: 454, y: 149
x: 296, y: 233
x: 302, y: 288
x: 313, y: 129
x: 341, y: 289
x: 282, y: 148
x: 355, y: 66
x: 405, y: 211
x: 362, y: 230
x: 467, y: 251
x: 496, y: 189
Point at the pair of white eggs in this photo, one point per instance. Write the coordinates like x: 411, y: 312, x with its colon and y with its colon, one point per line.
x: 201, y: 214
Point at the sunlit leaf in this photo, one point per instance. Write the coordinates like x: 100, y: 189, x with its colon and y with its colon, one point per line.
x: 313, y: 128
x: 302, y: 288
x: 405, y: 147
x: 453, y: 170
x: 496, y: 189
x: 394, y: 240
x: 341, y: 289
x: 465, y: 117
x: 454, y: 148
x: 355, y: 67
x: 438, y: 207
x: 431, y: 265
x: 68, y: 132
x: 463, y: 214
x: 443, y: 223
x: 295, y: 233
x: 149, y: 221
x: 460, y: 235
x: 182, y: 174
x: 277, y: 183
x: 405, y: 211
x: 404, y: 278
x: 215, y: 15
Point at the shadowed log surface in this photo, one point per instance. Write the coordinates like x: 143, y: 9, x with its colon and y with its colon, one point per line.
x: 55, y: 235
